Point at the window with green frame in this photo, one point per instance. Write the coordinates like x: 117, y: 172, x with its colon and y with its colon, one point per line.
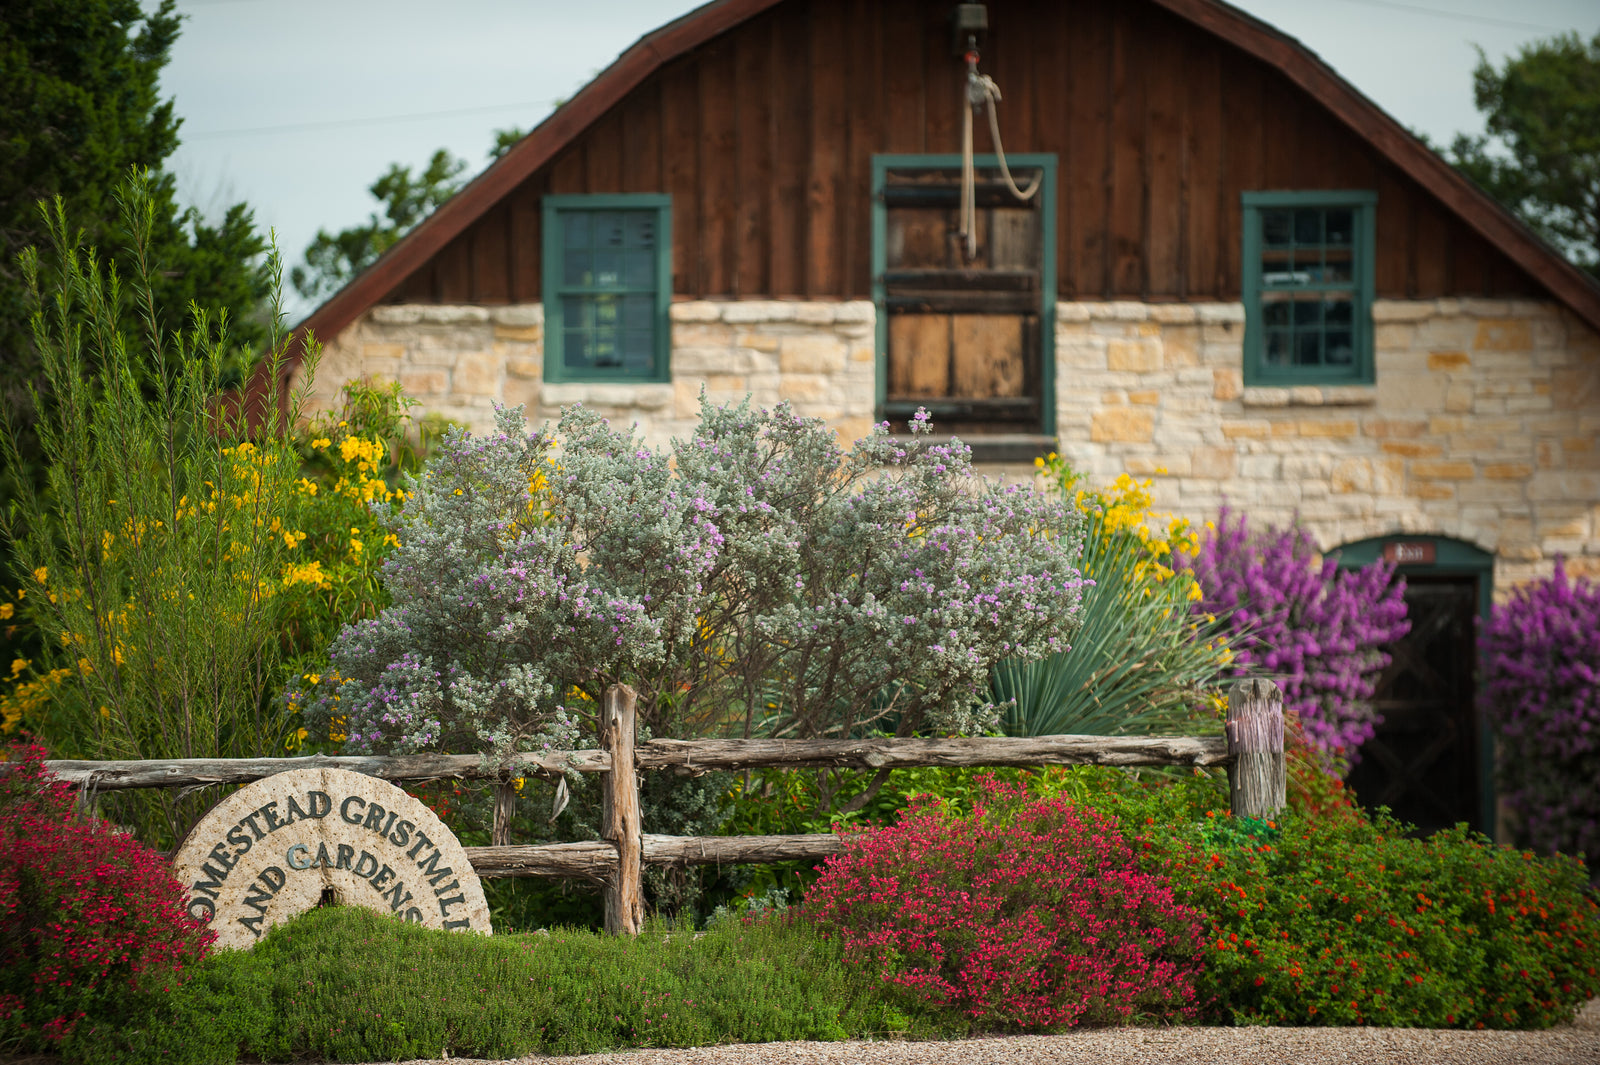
x: 1307, y: 287
x: 607, y: 264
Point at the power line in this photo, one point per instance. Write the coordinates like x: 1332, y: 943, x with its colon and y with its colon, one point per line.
x: 345, y: 123
x: 1487, y: 20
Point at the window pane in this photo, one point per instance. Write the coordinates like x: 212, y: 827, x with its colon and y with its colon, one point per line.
x: 605, y: 352
x: 1336, y: 266
x: 1275, y: 312
x: 607, y: 268
x: 1278, y: 342
x: 639, y: 269
x: 1307, y: 315
x: 1341, y: 225
x: 576, y: 312
x: 1338, y: 313
x: 605, y: 310
x: 575, y: 349
x: 638, y: 312
x: 575, y: 229
x: 579, y: 268
x: 638, y: 346
x: 639, y: 229
x: 608, y: 229
x: 1276, y: 227
x: 1308, y: 226
x: 1308, y: 349
x: 1341, y: 350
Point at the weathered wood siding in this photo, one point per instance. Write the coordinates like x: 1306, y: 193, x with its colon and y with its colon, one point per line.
x: 764, y: 138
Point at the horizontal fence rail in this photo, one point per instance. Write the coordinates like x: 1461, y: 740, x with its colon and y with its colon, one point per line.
x: 696, y: 755
x: 1252, y: 750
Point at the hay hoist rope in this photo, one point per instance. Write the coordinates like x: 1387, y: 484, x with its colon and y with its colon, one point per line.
x: 979, y: 91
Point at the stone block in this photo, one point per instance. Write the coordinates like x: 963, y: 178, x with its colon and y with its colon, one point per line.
x: 855, y: 311
x: 518, y: 315
x: 803, y: 386
x: 1264, y: 397
x: 1484, y: 308
x: 1158, y: 465
x: 1393, y: 336
x: 1173, y: 313
x: 1489, y: 492
x: 1330, y: 427
x: 425, y: 382
x: 814, y: 313
x: 1145, y: 398
x: 1349, y: 395
x: 530, y: 334
x: 1122, y: 425
x: 1506, y: 471
x: 523, y: 392
x: 1402, y: 310
x: 1433, y: 490
x: 1351, y: 475
x: 529, y: 369
x: 370, y: 352
x: 1503, y: 334
x: 1133, y: 356
x: 863, y: 352
x: 1563, y: 486
x: 1072, y: 312
x: 397, y: 313
x: 1410, y: 449
x: 1458, y: 399
x: 1449, y: 360
x: 705, y: 360
x: 1307, y: 467
x: 694, y: 311
x: 1528, y: 404
x: 1444, y: 470
x: 451, y: 314
x: 1221, y: 332
x: 1260, y: 467
x: 477, y: 374
x: 1216, y: 463
x: 757, y: 341
x: 745, y: 311
x: 852, y: 429
x: 1180, y: 347
x: 1305, y: 396
x: 1220, y: 313
x: 811, y: 354
x: 1247, y: 430
x: 698, y: 335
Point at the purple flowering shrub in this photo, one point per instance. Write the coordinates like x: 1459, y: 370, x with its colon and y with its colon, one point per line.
x: 1316, y: 628
x: 1541, y: 668
x: 756, y: 578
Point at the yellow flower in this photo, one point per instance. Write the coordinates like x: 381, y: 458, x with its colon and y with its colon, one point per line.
x: 18, y: 665
x: 105, y: 712
x: 312, y: 678
x: 321, y: 442
x: 41, y: 574
x: 6, y: 610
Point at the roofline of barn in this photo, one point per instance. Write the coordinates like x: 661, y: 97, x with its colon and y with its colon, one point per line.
x: 650, y: 53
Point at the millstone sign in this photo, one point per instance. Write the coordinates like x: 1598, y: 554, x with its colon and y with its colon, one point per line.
x: 271, y: 849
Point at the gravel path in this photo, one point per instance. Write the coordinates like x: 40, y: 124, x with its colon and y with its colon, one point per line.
x: 1578, y: 1044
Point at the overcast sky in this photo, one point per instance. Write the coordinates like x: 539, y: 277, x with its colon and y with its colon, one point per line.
x: 296, y: 106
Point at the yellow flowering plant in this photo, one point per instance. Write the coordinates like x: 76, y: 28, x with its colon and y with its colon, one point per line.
x: 1142, y: 662
x: 150, y: 564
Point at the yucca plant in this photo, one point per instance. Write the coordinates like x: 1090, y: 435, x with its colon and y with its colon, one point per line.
x: 1141, y: 662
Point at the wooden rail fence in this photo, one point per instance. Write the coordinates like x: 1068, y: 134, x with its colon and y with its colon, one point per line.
x: 1252, y: 750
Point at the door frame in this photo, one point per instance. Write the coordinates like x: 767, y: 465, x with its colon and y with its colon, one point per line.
x: 1452, y: 558
x: 1045, y: 162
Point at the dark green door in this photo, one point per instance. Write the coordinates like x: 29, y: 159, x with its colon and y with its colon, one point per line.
x: 1430, y: 759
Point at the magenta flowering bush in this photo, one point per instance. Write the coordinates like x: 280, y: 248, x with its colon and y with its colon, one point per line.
x: 1541, y: 669
x: 1027, y: 913
x: 1315, y: 628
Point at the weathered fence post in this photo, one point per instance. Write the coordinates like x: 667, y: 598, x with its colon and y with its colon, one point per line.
x: 505, y: 806
x: 619, y: 791
x: 1257, y: 776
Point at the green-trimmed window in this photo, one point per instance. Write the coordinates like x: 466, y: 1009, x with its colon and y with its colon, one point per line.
x: 1308, y: 287
x: 607, y: 286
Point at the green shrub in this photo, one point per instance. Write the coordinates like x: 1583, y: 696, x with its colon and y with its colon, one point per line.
x: 345, y: 984
x: 1337, y: 918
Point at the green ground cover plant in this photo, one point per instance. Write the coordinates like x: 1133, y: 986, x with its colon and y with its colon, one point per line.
x: 302, y: 992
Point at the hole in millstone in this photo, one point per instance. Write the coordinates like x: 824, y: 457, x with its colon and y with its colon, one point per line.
x: 329, y: 898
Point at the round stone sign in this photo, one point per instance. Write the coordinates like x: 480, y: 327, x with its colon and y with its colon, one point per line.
x: 270, y: 850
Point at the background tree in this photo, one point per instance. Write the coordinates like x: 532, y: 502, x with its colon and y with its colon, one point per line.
x: 80, y: 111
x: 1541, y: 156
x: 332, y: 259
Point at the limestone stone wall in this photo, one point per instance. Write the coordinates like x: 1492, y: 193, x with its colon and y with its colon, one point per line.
x: 460, y: 361
x: 1482, y: 426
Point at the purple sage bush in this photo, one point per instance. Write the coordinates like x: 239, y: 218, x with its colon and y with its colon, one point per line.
x: 756, y: 579
x: 1316, y: 628
x: 1540, y: 655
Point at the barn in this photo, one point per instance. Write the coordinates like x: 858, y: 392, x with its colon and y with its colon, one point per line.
x: 1203, y: 258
